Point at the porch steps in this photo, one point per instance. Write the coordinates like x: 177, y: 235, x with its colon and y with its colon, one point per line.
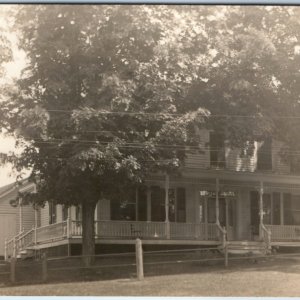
x: 247, y: 247
x: 26, y: 253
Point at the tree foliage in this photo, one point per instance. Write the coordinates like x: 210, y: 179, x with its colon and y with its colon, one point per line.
x: 113, y: 93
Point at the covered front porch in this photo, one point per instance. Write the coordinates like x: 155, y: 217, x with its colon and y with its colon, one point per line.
x: 208, y: 209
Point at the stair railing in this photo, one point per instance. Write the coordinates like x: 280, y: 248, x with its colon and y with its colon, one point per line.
x: 266, y: 234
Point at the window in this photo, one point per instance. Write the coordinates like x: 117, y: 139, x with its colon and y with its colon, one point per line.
x: 52, y: 213
x: 78, y: 213
x: 157, y: 204
x: 211, y: 210
x: 181, y: 207
x: 276, y: 209
x: 64, y: 212
x: 291, y: 209
x: 264, y: 156
x: 142, y: 203
x: 217, y: 150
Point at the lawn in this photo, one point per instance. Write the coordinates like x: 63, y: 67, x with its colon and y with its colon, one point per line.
x: 272, y: 277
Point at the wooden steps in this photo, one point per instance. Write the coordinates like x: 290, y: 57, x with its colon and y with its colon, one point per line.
x: 247, y: 247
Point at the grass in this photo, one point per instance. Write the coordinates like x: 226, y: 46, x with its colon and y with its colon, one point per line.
x: 272, y: 277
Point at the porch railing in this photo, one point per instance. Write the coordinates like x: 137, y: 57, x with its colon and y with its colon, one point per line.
x: 129, y: 229
x: 18, y: 243
x: 51, y: 232
x: 284, y: 232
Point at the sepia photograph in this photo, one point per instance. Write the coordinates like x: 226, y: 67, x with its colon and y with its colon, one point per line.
x: 149, y: 150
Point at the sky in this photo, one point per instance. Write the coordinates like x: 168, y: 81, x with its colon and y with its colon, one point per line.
x: 13, y: 70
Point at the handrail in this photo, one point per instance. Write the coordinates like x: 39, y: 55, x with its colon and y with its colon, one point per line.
x: 266, y: 236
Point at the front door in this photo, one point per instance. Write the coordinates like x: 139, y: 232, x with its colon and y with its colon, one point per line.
x: 226, y: 215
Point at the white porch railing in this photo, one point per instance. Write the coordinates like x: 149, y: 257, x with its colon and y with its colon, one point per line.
x: 284, y: 232
x: 18, y: 243
x: 129, y: 229
x: 51, y: 232
x: 111, y: 229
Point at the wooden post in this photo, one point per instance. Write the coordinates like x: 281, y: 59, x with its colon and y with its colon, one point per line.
x: 20, y: 215
x: 5, y: 250
x: 261, y: 209
x: 139, y: 260
x: 15, y: 248
x: 44, y: 267
x: 226, y: 255
x: 13, y: 270
x: 167, y: 184
x: 217, y: 201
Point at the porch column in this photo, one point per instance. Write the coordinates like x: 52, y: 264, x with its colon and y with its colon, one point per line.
x: 217, y: 201
x: 20, y: 215
x: 148, y: 203
x: 167, y: 185
x: 261, y: 208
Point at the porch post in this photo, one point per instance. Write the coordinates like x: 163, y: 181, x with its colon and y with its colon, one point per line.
x: 20, y: 215
x: 167, y: 184
x: 148, y: 203
x: 261, y: 208
x: 217, y: 201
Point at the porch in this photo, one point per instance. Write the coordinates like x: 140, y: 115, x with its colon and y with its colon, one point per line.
x: 125, y: 232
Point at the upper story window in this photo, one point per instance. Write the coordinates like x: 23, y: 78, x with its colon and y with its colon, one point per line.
x: 217, y: 150
x: 264, y: 155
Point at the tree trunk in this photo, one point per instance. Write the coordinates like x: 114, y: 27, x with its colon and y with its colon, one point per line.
x: 88, y: 232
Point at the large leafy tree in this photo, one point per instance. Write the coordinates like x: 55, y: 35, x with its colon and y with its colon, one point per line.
x: 113, y: 93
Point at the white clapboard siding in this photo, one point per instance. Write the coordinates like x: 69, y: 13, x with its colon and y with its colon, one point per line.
x: 8, y: 229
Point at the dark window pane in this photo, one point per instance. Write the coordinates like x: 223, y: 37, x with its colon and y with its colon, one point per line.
x: 181, y: 205
x: 217, y: 150
x: 65, y: 213
x: 287, y: 204
x: 157, y: 204
x: 211, y: 210
x: 276, y: 209
x: 254, y: 208
x: 142, y: 203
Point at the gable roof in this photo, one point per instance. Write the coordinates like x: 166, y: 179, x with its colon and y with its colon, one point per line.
x: 11, y: 187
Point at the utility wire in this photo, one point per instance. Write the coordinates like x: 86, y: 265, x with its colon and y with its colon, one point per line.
x: 175, y: 114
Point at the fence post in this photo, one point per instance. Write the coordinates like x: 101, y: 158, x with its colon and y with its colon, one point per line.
x: 15, y: 248
x: 44, y: 267
x: 13, y: 270
x: 139, y: 259
x: 5, y: 250
x: 226, y: 255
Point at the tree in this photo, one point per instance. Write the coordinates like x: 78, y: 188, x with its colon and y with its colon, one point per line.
x: 113, y: 93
